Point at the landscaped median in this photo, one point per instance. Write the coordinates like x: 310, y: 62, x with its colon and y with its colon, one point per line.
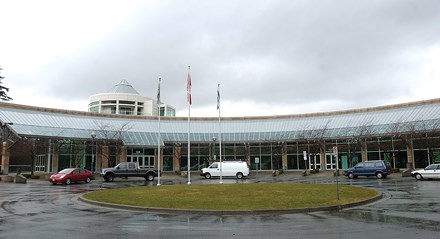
x: 230, y: 199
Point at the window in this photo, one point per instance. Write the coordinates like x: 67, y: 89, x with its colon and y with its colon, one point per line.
x: 369, y: 165
x: 359, y: 165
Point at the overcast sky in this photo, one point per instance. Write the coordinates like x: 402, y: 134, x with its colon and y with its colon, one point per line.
x: 270, y: 57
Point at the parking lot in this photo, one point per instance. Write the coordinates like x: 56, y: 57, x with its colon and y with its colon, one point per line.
x: 37, y: 209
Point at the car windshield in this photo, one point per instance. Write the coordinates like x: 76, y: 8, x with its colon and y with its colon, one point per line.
x: 431, y: 167
x: 65, y: 171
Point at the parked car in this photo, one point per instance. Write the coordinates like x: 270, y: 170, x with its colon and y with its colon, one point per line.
x: 430, y: 172
x: 236, y: 169
x: 71, y: 175
x: 129, y: 169
x: 378, y: 168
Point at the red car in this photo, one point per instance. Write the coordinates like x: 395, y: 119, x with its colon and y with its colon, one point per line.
x: 70, y: 175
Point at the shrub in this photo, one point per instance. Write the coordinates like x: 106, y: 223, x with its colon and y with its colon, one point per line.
x: 313, y: 171
x: 395, y: 170
x: 28, y: 175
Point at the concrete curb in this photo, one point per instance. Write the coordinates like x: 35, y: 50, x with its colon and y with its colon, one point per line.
x: 232, y: 212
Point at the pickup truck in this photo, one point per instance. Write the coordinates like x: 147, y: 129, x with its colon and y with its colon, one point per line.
x: 128, y: 169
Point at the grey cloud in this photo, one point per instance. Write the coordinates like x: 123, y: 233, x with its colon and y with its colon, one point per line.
x: 280, y: 52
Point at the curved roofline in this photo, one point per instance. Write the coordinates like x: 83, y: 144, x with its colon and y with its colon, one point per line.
x: 288, y: 116
x: 119, y: 94
x: 421, y: 116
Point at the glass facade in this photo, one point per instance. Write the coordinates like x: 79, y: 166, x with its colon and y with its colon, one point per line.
x: 199, y: 157
x: 259, y: 156
x: 406, y: 135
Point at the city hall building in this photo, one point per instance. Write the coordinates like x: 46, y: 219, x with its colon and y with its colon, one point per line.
x: 47, y: 140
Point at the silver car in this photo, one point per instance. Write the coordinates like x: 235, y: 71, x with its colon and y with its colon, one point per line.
x: 430, y: 172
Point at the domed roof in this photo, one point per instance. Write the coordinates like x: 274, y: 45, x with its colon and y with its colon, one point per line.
x: 123, y: 87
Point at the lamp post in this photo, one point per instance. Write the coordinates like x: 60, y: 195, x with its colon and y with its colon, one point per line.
x: 93, y: 152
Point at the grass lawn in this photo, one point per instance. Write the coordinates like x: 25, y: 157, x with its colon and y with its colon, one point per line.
x: 260, y: 196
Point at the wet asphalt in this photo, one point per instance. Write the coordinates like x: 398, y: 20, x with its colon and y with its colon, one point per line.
x: 38, y: 209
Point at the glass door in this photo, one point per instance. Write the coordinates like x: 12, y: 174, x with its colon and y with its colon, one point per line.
x: 314, y: 161
x: 146, y: 161
x: 329, y: 161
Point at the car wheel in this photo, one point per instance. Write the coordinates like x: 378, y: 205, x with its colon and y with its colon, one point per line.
x: 350, y: 175
x: 109, y: 177
x: 68, y: 181
x: 418, y: 176
x: 149, y: 177
x: 54, y: 183
x: 379, y: 175
x: 239, y: 175
x: 88, y: 180
x: 207, y: 175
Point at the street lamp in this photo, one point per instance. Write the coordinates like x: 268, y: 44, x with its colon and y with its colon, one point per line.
x: 214, y: 139
x: 93, y: 152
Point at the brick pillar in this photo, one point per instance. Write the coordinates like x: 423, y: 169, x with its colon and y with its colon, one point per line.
x: 410, y: 154
x: 55, y: 159
x: 247, y: 153
x: 364, y: 151
x: 5, y: 158
x: 176, y: 157
x: 123, y: 155
x: 104, y: 157
x: 284, y: 155
x: 322, y: 158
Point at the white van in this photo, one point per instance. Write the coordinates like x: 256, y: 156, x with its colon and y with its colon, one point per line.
x: 236, y: 169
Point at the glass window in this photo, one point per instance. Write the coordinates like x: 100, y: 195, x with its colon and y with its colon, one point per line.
x: 360, y: 165
x: 431, y: 167
x: 266, y: 163
x: 369, y: 165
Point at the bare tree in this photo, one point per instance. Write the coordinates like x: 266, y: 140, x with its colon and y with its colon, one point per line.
x: 110, y: 135
x: 406, y: 131
x: 431, y: 139
x: 74, y: 148
x: 356, y: 138
x: 315, y: 139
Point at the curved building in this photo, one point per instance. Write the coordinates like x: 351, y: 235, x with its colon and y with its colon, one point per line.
x: 124, y: 99
x: 406, y: 135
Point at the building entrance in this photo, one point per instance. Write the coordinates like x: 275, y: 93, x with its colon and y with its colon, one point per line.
x: 329, y: 161
x: 314, y: 161
x: 144, y: 161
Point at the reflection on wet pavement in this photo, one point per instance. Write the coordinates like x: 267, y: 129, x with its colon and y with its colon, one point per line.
x: 409, y: 208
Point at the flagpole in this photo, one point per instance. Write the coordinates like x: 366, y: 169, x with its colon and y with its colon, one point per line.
x: 220, y: 133
x: 158, y: 135
x: 188, y: 88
